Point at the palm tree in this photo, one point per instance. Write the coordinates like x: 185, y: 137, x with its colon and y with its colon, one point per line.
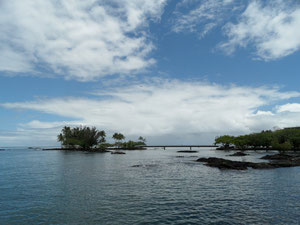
x: 81, y: 137
x: 118, y: 138
x: 102, y: 135
x: 142, y: 140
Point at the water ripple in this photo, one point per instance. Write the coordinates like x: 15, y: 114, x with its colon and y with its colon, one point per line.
x: 52, y: 187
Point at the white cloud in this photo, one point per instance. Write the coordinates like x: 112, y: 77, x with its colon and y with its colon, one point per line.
x: 272, y: 27
x: 29, y: 137
x: 202, y: 18
x: 266, y: 113
x: 36, y: 124
x: 80, y: 40
x: 169, y: 111
x: 290, y: 107
x: 12, y: 61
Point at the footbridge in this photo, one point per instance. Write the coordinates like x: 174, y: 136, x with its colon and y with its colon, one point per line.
x: 180, y: 146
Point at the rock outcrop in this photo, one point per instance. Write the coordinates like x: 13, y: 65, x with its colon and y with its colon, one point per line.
x: 117, y: 152
x: 187, y: 151
x: 276, y: 162
x: 238, y: 154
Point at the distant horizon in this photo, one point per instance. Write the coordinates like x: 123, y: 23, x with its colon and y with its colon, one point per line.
x: 126, y: 139
x: 172, y: 71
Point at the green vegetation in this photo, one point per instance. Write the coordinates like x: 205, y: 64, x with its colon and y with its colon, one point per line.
x: 118, y: 137
x: 142, y: 140
x: 91, y: 139
x: 282, y: 140
x: 132, y: 144
x: 81, y: 137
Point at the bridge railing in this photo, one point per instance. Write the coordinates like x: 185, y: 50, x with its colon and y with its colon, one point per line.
x: 179, y: 146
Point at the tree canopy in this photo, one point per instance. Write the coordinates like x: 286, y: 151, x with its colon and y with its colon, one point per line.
x: 118, y: 136
x: 87, y: 138
x: 284, y: 139
x: 134, y: 144
x: 81, y: 137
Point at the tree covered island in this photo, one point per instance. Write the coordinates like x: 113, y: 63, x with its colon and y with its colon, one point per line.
x: 282, y: 140
x: 90, y: 139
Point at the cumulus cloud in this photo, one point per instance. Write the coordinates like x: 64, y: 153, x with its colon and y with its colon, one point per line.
x: 169, y: 111
x: 203, y: 16
x: 272, y: 27
x: 81, y: 40
x: 29, y: 137
x: 290, y: 107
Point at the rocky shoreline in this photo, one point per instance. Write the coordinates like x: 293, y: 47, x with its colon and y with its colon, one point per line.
x: 76, y: 150
x: 276, y: 161
x: 91, y: 150
x: 94, y: 150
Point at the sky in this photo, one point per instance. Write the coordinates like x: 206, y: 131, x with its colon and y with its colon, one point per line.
x: 175, y: 72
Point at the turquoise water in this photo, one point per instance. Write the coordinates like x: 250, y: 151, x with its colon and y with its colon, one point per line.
x: 55, y: 187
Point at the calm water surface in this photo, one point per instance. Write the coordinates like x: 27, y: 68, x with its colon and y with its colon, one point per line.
x: 56, y: 187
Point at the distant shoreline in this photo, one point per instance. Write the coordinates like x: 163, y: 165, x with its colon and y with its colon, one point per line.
x: 90, y: 150
x: 75, y: 149
x: 253, y: 149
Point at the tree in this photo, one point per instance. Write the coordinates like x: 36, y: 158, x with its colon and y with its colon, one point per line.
x: 225, y: 140
x: 240, y: 142
x: 142, y: 140
x: 131, y: 144
x: 82, y: 137
x: 266, y: 138
x: 102, y: 136
x: 280, y: 139
x: 118, y: 137
x: 286, y: 146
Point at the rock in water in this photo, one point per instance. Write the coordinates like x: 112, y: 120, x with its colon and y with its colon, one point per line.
x: 238, y: 165
x: 187, y: 151
x: 121, y: 153
x: 277, y: 157
x: 224, y: 163
x: 238, y: 154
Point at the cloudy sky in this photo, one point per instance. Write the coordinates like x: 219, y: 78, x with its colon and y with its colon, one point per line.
x: 176, y: 72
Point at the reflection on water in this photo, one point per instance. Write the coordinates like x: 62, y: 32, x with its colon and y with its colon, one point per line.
x: 142, y: 187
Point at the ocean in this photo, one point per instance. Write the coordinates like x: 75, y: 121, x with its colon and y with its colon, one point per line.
x: 153, y: 186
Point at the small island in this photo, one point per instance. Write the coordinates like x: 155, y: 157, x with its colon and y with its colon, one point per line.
x: 91, y: 139
x: 286, y: 141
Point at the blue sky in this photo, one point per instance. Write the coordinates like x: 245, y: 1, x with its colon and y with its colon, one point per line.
x: 173, y: 71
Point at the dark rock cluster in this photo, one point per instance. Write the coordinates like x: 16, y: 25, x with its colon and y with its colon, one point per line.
x: 276, y: 161
x: 238, y: 154
x: 117, y: 152
x: 187, y: 151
